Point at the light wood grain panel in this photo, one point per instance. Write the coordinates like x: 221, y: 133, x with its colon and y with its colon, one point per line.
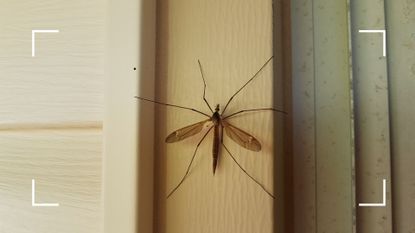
x: 371, y: 117
x: 400, y: 26
x: 64, y: 82
x: 232, y: 41
x: 66, y: 166
x: 51, y: 112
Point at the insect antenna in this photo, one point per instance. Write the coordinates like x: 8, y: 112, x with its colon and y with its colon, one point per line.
x: 171, y: 105
x: 190, y: 164
x: 204, y: 86
x: 252, y: 178
x: 240, y: 89
x: 253, y: 110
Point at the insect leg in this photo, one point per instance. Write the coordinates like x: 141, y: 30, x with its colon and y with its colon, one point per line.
x: 190, y: 164
x: 204, y: 86
x: 253, y: 110
x: 262, y: 186
x: 240, y: 89
x: 171, y: 105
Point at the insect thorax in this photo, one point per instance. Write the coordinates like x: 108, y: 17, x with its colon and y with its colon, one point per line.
x: 216, y: 118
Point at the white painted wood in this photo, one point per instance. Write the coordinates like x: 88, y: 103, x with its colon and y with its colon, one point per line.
x: 400, y: 26
x: 371, y: 117
x: 232, y: 41
x: 128, y: 130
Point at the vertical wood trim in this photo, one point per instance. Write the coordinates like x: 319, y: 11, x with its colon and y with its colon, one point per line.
x: 128, y: 130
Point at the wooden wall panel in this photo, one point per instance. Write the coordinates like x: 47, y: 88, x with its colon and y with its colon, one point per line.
x: 64, y: 81
x: 51, y: 112
x: 66, y: 166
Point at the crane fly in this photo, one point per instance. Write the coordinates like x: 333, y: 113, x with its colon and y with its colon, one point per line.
x: 217, y: 121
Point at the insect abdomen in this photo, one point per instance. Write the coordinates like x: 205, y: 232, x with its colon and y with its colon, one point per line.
x: 216, y: 146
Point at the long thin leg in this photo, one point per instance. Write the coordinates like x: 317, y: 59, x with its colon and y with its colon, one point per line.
x: 172, y: 105
x: 253, y: 110
x: 262, y: 186
x: 204, y: 86
x: 240, y: 89
x: 190, y: 164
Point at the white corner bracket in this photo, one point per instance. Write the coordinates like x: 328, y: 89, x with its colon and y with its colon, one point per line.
x: 383, y: 204
x: 34, y: 204
x: 33, y: 37
x: 383, y: 34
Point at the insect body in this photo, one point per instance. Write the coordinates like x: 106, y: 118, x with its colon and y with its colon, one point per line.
x: 217, y: 137
x: 218, y: 121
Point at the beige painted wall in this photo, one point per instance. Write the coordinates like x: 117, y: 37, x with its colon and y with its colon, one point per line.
x: 232, y: 41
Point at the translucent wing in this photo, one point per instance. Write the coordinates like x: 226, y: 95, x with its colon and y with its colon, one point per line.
x: 241, y: 137
x: 186, y: 132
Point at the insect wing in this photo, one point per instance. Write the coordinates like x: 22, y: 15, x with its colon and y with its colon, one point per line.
x: 241, y: 137
x: 185, y: 132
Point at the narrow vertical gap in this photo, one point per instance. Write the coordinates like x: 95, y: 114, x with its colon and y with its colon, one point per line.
x: 156, y: 172
x: 145, y: 145
x: 315, y: 120
x: 282, y: 84
x: 278, y: 225
x: 351, y: 106
x: 356, y: 119
x: 390, y: 117
x: 288, y: 120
